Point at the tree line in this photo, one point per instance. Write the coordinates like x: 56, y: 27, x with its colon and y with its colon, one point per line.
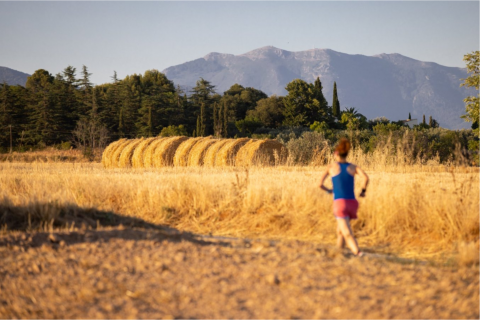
x: 67, y: 107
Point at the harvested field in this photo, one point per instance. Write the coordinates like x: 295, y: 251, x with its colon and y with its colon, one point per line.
x: 79, y: 241
x: 149, y: 273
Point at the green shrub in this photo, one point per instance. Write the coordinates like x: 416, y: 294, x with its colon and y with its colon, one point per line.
x: 172, y: 131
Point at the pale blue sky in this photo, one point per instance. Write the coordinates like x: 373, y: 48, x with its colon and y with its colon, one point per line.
x: 131, y: 37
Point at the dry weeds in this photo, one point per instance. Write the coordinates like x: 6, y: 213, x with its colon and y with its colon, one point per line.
x: 416, y: 214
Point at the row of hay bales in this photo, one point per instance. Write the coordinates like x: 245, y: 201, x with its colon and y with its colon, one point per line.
x: 184, y: 151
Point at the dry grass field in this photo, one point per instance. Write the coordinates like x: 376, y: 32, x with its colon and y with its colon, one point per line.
x: 420, y: 225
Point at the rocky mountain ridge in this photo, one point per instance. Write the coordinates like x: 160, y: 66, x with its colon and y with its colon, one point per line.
x: 390, y: 85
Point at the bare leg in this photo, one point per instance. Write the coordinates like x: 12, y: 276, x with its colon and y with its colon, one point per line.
x: 340, y: 240
x: 344, y: 226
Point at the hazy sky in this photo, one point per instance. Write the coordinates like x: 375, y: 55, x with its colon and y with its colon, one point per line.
x: 131, y: 37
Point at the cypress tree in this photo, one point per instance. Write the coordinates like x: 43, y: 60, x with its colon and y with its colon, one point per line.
x: 203, y: 121
x: 225, y: 120
x: 120, y: 123
x: 335, y: 102
x: 424, y: 120
x: 319, y: 94
x: 430, y: 122
x: 215, y: 120
x: 409, y: 116
x: 197, y: 131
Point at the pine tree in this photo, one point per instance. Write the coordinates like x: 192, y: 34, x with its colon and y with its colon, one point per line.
x: 203, y: 97
x: 43, y: 118
x: 85, y: 93
x: 6, y: 114
x: 335, y: 103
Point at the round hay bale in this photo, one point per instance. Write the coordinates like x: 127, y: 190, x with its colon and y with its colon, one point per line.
x: 181, y: 155
x: 197, y: 153
x: 242, y: 158
x: 137, y: 159
x: 150, y: 150
x: 266, y: 152
x: 164, y: 153
x: 226, y: 155
x: 107, y: 153
x: 211, y: 154
x: 125, y: 160
x: 115, y: 157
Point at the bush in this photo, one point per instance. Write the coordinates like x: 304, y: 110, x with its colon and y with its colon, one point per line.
x: 307, y: 147
x: 172, y: 131
x: 64, y: 146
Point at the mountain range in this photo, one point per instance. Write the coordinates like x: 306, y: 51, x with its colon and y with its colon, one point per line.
x: 13, y: 77
x: 389, y: 85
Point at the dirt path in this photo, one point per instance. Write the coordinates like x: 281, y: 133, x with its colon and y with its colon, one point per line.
x: 139, y: 273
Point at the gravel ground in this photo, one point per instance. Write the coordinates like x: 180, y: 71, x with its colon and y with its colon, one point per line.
x: 141, y: 273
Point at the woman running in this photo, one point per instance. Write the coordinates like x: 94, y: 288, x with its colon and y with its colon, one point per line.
x: 345, y: 205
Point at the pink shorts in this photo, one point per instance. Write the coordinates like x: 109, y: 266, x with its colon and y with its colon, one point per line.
x: 345, y: 208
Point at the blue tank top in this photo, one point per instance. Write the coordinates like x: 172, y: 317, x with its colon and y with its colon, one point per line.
x: 343, y: 183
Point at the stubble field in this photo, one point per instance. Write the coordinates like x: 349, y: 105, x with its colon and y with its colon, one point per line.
x: 244, y: 243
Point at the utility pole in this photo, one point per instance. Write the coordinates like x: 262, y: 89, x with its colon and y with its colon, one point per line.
x: 11, y: 148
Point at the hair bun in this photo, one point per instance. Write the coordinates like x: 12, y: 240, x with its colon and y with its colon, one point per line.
x: 343, y: 147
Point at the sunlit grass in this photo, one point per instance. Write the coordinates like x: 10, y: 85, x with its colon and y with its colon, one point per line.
x: 415, y: 214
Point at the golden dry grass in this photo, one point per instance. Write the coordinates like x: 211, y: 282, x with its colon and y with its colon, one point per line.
x: 417, y: 214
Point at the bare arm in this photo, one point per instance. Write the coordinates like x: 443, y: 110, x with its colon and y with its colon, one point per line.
x: 362, y: 173
x: 324, y: 176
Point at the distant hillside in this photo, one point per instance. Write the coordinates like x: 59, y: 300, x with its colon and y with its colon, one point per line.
x: 389, y: 85
x: 13, y: 77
